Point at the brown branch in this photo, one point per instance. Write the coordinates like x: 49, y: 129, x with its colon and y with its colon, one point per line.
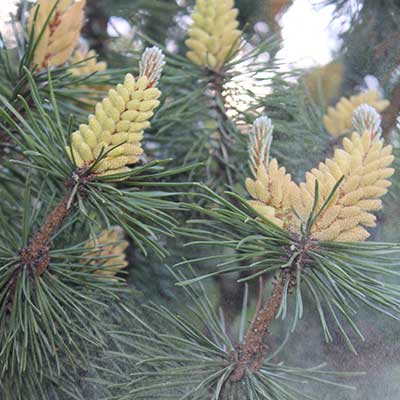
x: 252, y: 351
x: 36, y: 255
x: 383, y: 48
x: 389, y: 116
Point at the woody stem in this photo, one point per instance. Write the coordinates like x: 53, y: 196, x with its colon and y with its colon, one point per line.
x: 35, y: 256
x: 252, y: 351
x: 389, y: 116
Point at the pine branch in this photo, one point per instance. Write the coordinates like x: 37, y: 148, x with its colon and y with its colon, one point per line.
x: 37, y: 253
x: 178, y: 360
x: 252, y: 351
x: 389, y: 116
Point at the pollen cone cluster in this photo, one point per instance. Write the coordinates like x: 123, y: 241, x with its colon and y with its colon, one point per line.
x: 60, y: 34
x: 87, y: 63
x: 364, y: 163
x: 362, y: 166
x: 323, y: 83
x: 112, y: 137
x: 338, y: 120
x: 213, y: 37
x: 271, y: 187
x: 108, y: 250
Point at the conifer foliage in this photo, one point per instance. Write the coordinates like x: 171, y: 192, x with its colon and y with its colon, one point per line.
x: 168, y: 172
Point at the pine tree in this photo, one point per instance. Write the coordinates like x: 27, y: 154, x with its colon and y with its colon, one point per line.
x: 168, y: 232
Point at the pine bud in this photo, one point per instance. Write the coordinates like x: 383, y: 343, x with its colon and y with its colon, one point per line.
x: 61, y: 34
x: 338, y: 120
x: 272, y: 187
x: 366, y: 118
x: 260, y: 143
x: 108, y: 250
x: 151, y: 65
x: 116, y: 128
x: 323, y: 83
x: 213, y: 38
